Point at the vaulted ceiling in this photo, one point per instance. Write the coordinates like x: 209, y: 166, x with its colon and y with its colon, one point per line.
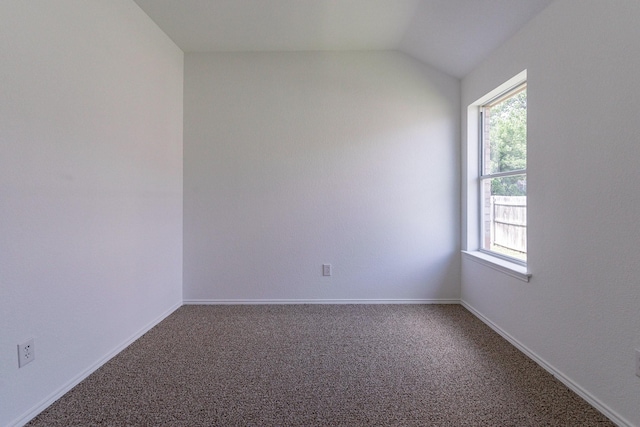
x: 451, y: 35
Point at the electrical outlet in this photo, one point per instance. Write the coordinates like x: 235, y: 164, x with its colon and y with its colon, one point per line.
x: 26, y: 352
x: 638, y: 362
x: 326, y: 269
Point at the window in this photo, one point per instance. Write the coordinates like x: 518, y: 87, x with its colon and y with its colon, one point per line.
x: 503, y: 174
x: 494, y: 203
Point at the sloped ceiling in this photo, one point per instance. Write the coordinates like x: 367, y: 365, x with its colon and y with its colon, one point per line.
x: 451, y: 35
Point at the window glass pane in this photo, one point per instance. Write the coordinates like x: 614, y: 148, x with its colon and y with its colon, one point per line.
x: 504, y: 215
x: 505, y: 133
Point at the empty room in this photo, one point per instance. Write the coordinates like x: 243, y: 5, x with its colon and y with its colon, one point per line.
x: 319, y: 212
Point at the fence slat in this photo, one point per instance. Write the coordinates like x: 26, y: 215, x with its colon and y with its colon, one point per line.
x: 510, y: 222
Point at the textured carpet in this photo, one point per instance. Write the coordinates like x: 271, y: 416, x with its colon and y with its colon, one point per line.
x: 321, y: 365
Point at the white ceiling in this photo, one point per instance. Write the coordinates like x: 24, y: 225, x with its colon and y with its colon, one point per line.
x: 451, y: 35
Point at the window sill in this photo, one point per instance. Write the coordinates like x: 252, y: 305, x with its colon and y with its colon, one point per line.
x: 509, y: 268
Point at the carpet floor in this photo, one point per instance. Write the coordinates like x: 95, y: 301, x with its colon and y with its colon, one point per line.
x: 321, y: 365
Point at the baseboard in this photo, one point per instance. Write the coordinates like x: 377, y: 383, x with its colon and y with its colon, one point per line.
x: 592, y: 400
x: 317, y: 301
x: 31, y: 414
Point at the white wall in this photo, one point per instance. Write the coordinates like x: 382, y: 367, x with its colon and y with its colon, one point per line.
x: 293, y: 160
x: 580, y: 313
x: 90, y: 188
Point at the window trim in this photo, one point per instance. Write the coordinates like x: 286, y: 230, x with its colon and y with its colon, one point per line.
x: 505, y: 266
x: 471, y: 242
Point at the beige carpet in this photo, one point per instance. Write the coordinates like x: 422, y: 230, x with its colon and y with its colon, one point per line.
x: 321, y: 365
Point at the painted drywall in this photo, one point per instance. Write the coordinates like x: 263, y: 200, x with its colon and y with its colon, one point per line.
x: 90, y: 188
x: 580, y: 313
x: 293, y: 160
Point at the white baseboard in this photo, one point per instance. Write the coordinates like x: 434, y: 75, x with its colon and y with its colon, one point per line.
x: 592, y: 400
x: 33, y: 412
x: 317, y: 301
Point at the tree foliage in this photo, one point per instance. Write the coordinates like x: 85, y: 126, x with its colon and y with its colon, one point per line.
x: 508, y: 144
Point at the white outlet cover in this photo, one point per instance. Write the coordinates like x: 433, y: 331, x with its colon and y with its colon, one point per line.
x: 326, y: 269
x: 26, y: 352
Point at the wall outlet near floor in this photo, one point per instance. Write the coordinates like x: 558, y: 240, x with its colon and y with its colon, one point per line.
x: 326, y: 269
x: 638, y: 362
x: 26, y: 352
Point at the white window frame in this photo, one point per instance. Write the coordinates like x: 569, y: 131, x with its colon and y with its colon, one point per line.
x: 483, y: 177
x: 472, y: 201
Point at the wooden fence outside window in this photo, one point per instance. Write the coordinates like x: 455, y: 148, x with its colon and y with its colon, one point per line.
x: 509, y: 222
